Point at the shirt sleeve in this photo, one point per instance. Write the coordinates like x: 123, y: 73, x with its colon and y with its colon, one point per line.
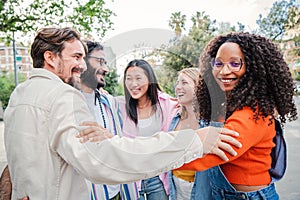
x: 116, y: 160
x: 250, y: 133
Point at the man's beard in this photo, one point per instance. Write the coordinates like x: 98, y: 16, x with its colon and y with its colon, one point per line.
x: 100, y: 85
x: 89, y: 78
x: 75, y: 82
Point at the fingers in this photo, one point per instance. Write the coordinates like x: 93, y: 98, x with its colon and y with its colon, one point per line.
x: 220, y: 148
x: 230, y: 140
x: 226, y: 147
x: 220, y: 153
x: 96, y: 137
x: 90, y: 129
x: 89, y: 123
x: 93, y: 134
x: 218, y: 141
x: 226, y: 131
x: 209, y: 138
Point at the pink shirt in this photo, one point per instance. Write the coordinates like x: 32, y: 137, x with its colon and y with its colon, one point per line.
x: 169, y: 108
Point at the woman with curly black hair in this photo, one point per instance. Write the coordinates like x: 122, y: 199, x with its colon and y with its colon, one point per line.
x: 244, y: 82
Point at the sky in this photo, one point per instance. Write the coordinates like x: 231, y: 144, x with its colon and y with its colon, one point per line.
x: 138, y: 14
x: 145, y: 22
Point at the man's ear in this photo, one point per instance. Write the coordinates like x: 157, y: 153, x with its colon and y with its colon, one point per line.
x: 49, y: 58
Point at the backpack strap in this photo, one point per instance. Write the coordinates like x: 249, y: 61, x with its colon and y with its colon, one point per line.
x: 278, y: 154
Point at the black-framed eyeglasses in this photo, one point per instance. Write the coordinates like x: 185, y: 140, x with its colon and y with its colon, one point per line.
x: 102, y: 61
x: 234, y: 65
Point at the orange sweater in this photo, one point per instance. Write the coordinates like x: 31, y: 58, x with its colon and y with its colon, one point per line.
x: 251, y: 165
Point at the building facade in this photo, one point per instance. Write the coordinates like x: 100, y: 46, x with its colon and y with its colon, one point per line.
x: 23, y: 59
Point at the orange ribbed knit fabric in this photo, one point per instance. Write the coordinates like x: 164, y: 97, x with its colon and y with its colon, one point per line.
x: 251, y: 165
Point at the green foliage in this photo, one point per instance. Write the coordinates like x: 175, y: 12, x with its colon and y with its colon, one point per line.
x: 177, y: 22
x: 119, y: 90
x: 293, y: 21
x: 166, y: 82
x: 297, y: 78
x: 22, y: 16
x: 112, y: 83
x: 282, y: 16
x: 7, y: 85
x: 185, y: 50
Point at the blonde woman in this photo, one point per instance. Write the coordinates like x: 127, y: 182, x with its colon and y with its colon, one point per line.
x: 182, y: 181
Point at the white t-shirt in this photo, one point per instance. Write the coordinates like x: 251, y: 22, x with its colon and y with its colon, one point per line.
x: 95, y: 110
x: 147, y: 127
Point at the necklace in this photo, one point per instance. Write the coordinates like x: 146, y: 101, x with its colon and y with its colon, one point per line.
x: 146, y: 112
x: 98, y: 95
x: 145, y: 105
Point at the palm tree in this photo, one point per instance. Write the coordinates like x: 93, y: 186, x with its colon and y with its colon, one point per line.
x: 177, y: 23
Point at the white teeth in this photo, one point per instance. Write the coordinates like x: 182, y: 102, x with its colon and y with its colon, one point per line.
x: 76, y: 74
x: 226, y: 80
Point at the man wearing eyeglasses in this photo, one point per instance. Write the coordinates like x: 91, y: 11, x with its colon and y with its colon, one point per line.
x: 97, y: 67
x: 102, y: 106
x: 45, y: 116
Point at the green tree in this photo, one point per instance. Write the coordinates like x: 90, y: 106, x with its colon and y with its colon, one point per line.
x: 89, y: 17
x: 7, y: 85
x: 283, y: 15
x: 23, y: 16
x: 185, y: 50
x: 282, y: 25
x: 177, y: 22
x: 112, y: 83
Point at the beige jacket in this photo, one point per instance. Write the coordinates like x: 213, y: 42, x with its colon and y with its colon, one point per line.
x: 48, y: 162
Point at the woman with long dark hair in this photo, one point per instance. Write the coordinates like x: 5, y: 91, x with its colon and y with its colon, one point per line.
x: 146, y: 110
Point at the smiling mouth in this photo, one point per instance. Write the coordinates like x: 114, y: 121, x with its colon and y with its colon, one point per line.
x: 227, y: 80
x: 100, y: 72
x: 77, y: 71
x: 135, y: 91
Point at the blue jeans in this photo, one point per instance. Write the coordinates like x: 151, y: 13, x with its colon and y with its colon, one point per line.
x: 222, y: 189
x: 153, y: 189
x: 212, y: 184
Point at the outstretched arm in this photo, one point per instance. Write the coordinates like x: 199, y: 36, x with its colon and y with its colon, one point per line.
x: 215, y: 140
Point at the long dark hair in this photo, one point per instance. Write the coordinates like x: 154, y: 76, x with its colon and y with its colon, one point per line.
x: 266, y: 86
x: 152, y: 92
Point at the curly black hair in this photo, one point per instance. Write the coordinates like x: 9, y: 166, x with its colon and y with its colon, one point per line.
x: 266, y: 86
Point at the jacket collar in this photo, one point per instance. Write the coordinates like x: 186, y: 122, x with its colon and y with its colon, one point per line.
x: 43, y: 73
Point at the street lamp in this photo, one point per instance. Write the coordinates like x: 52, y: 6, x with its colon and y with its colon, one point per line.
x: 15, y: 61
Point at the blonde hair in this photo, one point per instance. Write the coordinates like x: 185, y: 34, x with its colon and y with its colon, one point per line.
x: 193, y: 73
